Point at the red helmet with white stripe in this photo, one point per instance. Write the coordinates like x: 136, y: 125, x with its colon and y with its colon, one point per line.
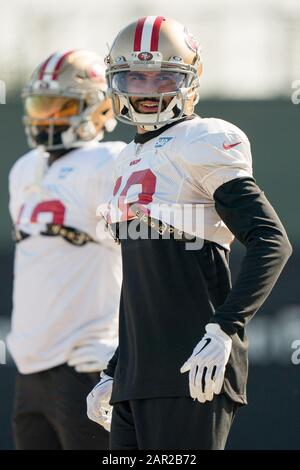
x: 66, y: 103
x: 153, y: 70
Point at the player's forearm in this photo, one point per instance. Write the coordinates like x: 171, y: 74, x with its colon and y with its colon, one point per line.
x: 251, y: 218
x: 112, y: 364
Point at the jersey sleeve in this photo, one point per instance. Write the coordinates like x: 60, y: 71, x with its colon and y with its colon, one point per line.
x: 100, y: 185
x: 250, y: 217
x: 13, y: 185
x: 217, y: 157
x: 17, y: 178
x: 99, y: 191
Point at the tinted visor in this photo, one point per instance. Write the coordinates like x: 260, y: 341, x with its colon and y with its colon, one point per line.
x: 148, y: 82
x: 43, y: 108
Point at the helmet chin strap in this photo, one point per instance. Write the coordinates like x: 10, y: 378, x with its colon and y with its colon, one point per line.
x: 164, y: 116
x: 148, y: 117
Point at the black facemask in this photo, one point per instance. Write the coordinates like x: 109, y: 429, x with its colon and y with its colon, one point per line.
x: 41, y: 136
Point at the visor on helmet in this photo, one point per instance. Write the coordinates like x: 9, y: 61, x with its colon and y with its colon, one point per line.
x: 148, y: 83
x: 40, y: 109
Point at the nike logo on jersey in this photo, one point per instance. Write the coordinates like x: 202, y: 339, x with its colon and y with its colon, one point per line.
x: 207, y: 341
x: 162, y: 141
x: 229, y: 146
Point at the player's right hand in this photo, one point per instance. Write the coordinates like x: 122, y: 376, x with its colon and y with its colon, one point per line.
x: 98, y: 407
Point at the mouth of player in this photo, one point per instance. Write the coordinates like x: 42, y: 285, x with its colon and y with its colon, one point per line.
x: 147, y: 106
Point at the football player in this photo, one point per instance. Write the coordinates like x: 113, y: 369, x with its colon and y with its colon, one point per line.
x: 180, y: 371
x: 66, y: 278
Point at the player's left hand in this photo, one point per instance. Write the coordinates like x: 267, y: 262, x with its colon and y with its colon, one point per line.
x: 98, y: 407
x: 90, y: 356
x: 207, y: 363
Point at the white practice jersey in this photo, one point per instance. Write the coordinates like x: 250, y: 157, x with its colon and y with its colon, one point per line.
x: 63, y: 294
x: 180, y: 169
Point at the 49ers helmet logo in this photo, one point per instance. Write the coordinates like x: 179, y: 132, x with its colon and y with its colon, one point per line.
x: 145, y: 56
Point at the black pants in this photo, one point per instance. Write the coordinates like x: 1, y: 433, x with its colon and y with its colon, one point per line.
x: 172, y: 423
x: 50, y: 411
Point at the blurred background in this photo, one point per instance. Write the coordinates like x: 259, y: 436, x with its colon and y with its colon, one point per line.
x: 251, y: 67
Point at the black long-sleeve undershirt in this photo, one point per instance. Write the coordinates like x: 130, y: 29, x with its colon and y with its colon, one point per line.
x: 250, y: 217
x: 111, y: 366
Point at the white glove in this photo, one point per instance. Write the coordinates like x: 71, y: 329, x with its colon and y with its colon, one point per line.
x: 207, y: 363
x: 98, y: 407
x: 90, y: 356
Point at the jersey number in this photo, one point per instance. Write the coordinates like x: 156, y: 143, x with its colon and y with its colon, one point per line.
x: 147, y: 180
x: 52, y: 211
